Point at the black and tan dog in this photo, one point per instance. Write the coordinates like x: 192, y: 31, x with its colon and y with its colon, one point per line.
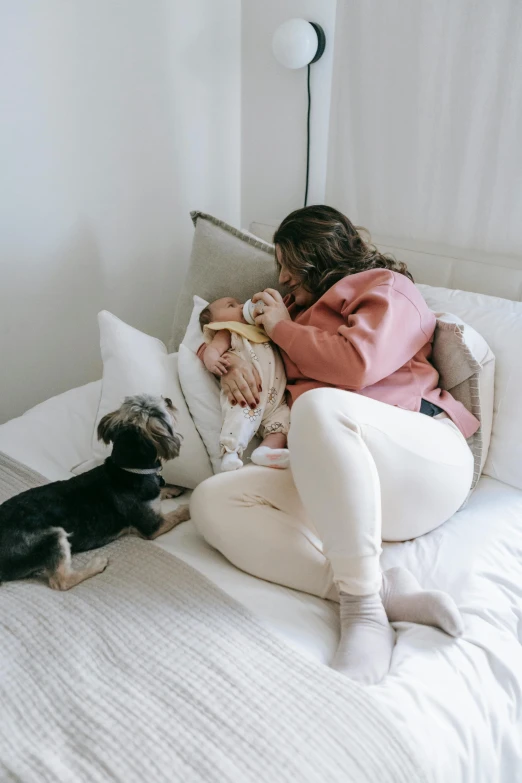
x: 41, y: 528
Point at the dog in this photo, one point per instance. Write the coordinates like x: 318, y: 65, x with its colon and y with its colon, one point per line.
x: 41, y: 528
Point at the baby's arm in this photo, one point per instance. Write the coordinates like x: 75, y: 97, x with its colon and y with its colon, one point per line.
x: 213, y: 354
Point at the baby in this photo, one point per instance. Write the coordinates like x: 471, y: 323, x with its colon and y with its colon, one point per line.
x: 225, y: 329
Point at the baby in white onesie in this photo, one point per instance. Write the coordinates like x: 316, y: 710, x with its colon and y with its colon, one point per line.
x: 225, y: 329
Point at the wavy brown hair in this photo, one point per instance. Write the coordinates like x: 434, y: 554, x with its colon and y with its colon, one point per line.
x: 320, y: 246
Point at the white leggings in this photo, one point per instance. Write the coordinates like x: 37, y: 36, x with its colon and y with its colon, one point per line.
x: 362, y: 472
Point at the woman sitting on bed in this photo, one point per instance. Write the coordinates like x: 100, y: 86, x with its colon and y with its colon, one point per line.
x: 377, y: 449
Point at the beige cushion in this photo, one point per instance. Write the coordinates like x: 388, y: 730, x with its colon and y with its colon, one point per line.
x: 224, y: 262
x: 467, y: 370
x: 499, y: 321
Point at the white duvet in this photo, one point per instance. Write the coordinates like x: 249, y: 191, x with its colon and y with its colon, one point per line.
x: 461, y: 700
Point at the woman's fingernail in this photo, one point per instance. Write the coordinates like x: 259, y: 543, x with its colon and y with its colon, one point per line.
x: 253, y: 405
x: 257, y: 402
x: 260, y: 388
x: 243, y: 404
x: 234, y: 402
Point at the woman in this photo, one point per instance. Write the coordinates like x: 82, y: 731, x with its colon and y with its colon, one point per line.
x: 378, y: 450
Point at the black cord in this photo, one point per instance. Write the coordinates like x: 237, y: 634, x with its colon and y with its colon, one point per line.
x: 308, y: 136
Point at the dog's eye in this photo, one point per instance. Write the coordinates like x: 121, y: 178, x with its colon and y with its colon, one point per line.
x: 168, y: 401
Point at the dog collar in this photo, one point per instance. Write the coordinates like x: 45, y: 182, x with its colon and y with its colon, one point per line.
x: 142, y: 471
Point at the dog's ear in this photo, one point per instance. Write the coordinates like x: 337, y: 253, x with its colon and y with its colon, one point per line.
x: 108, y: 426
x: 166, y: 441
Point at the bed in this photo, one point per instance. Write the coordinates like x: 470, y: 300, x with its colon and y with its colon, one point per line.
x: 459, y: 701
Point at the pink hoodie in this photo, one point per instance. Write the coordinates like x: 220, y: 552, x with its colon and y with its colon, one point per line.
x: 371, y: 333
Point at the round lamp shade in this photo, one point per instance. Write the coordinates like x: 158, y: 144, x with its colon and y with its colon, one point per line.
x: 295, y: 43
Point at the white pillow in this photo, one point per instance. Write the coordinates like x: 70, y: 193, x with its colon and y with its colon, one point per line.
x: 193, y: 334
x: 135, y: 363
x: 201, y: 389
x: 499, y: 321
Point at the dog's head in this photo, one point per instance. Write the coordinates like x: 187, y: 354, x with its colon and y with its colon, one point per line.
x: 149, y: 421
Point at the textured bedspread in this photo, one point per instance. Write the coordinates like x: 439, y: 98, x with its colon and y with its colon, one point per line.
x: 148, y: 672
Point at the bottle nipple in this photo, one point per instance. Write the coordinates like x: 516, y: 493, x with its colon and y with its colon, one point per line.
x: 248, y: 312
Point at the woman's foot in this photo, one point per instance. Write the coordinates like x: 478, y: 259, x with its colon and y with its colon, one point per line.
x: 230, y: 461
x: 404, y: 599
x: 367, y: 639
x: 271, y: 458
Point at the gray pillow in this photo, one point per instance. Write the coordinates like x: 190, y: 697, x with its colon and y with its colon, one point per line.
x: 224, y: 262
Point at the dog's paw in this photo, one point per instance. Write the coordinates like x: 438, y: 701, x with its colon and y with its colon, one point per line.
x: 98, y: 564
x: 183, y: 513
x: 176, y: 517
x: 171, y: 491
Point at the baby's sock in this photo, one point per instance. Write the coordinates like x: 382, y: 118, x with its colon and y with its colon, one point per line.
x: 230, y: 461
x: 404, y: 599
x: 271, y: 458
x: 366, y: 645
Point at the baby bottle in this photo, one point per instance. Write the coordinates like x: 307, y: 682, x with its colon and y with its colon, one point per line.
x: 248, y: 312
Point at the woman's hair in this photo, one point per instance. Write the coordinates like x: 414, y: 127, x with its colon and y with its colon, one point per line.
x: 320, y: 246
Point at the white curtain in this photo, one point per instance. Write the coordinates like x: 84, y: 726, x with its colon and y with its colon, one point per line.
x: 426, y: 124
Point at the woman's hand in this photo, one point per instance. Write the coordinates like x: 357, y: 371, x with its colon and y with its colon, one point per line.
x: 270, y: 310
x: 241, y: 382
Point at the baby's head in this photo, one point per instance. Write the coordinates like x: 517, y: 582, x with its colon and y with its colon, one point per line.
x: 226, y: 309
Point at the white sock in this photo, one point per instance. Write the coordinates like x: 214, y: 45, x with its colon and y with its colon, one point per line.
x: 404, y: 599
x: 230, y: 461
x: 367, y: 639
x: 271, y: 458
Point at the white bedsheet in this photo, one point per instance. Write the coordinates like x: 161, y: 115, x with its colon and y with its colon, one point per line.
x: 461, y: 700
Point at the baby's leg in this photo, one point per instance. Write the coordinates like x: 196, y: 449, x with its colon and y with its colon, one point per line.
x: 271, y: 457
x: 274, y: 440
x: 239, y: 427
x: 231, y: 461
x: 272, y: 453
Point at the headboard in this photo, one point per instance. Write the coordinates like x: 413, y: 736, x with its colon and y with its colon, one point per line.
x: 439, y: 265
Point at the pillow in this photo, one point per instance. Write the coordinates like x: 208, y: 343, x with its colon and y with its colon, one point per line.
x: 194, y: 336
x: 224, y: 262
x: 499, y: 321
x: 467, y: 370
x: 135, y: 363
x: 201, y: 389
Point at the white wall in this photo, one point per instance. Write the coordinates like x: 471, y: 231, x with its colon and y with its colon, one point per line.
x: 118, y: 117
x: 426, y: 125
x: 274, y: 103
